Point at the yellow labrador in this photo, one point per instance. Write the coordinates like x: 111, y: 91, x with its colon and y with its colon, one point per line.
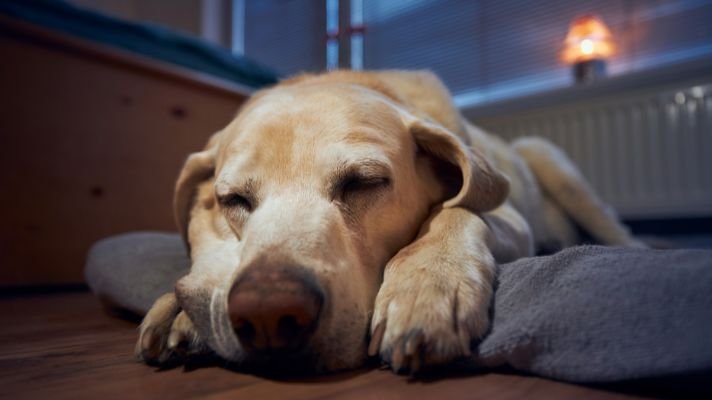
x: 350, y: 206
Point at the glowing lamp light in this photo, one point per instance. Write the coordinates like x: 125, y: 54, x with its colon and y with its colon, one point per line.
x: 588, y: 43
x: 588, y: 39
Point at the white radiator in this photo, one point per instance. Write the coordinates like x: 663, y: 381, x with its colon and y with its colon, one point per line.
x: 647, y: 152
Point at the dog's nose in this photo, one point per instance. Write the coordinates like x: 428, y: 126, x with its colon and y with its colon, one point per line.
x: 275, y: 308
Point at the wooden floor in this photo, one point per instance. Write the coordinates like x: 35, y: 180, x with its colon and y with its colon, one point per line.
x: 66, y: 346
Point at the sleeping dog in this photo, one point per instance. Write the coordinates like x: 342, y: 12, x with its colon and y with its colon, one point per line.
x: 358, y: 213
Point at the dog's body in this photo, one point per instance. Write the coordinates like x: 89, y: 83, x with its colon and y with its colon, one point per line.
x: 338, y: 202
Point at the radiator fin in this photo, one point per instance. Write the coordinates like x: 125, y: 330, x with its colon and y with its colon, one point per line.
x: 648, y: 155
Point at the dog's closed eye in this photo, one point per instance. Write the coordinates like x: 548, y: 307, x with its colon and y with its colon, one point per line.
x: 351, y: 181
x: 354, y: 184
x: 236, y: 201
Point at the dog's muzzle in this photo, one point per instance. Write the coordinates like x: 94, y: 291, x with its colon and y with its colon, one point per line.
x: 275, y: 309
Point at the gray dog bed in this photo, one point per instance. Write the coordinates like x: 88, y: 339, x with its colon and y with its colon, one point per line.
x: 586, y: 314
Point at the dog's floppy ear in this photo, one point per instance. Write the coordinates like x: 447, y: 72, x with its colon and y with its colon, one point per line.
x: 198, y: 168
x: 483, y: 187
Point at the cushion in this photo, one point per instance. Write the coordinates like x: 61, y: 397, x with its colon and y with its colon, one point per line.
x: 602, y: 314
x: 132, y: 270
x: 586, y: 314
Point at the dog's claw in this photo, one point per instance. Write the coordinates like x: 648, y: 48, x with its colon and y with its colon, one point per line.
x: 406, y: 355
x: 167, y: 334
x: 413, y: 343
x: 147, y: 341
x: 175, y: 339
x: 414, y: 351
x: 415, y: 363
x: 182, y: 335
x: 397, y: 356
x: 376, y: 338
x: 466, y: 345
x: 148, y: 347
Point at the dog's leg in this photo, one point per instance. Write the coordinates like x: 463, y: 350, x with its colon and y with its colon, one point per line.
x: 436, y: 291
x: 166, y: 333
x: 564, y: 184
x: 559, y: 230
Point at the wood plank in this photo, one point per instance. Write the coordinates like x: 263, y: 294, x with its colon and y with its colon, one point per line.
x: 64, y: 346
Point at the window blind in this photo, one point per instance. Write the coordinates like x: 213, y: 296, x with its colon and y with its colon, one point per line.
x: 287, y: 35
x: 488, y: 50
x: 484, y: 50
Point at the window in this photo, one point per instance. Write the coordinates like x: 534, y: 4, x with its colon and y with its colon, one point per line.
x: 286, y: 35
x: 484, y: 50
x: 490, y: 50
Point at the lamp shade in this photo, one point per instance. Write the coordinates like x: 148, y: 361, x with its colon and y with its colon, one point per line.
x: 588, y: 39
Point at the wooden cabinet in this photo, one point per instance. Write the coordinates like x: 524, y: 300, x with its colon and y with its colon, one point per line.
x: 91, y: 141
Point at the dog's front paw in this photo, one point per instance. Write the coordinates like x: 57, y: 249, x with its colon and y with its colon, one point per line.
x: 167, y: 333
x: 428, y: 314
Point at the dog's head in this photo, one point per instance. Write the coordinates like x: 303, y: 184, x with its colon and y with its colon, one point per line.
x: 293, y: 210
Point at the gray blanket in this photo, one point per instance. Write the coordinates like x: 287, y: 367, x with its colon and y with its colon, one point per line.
x: 586, y: 314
